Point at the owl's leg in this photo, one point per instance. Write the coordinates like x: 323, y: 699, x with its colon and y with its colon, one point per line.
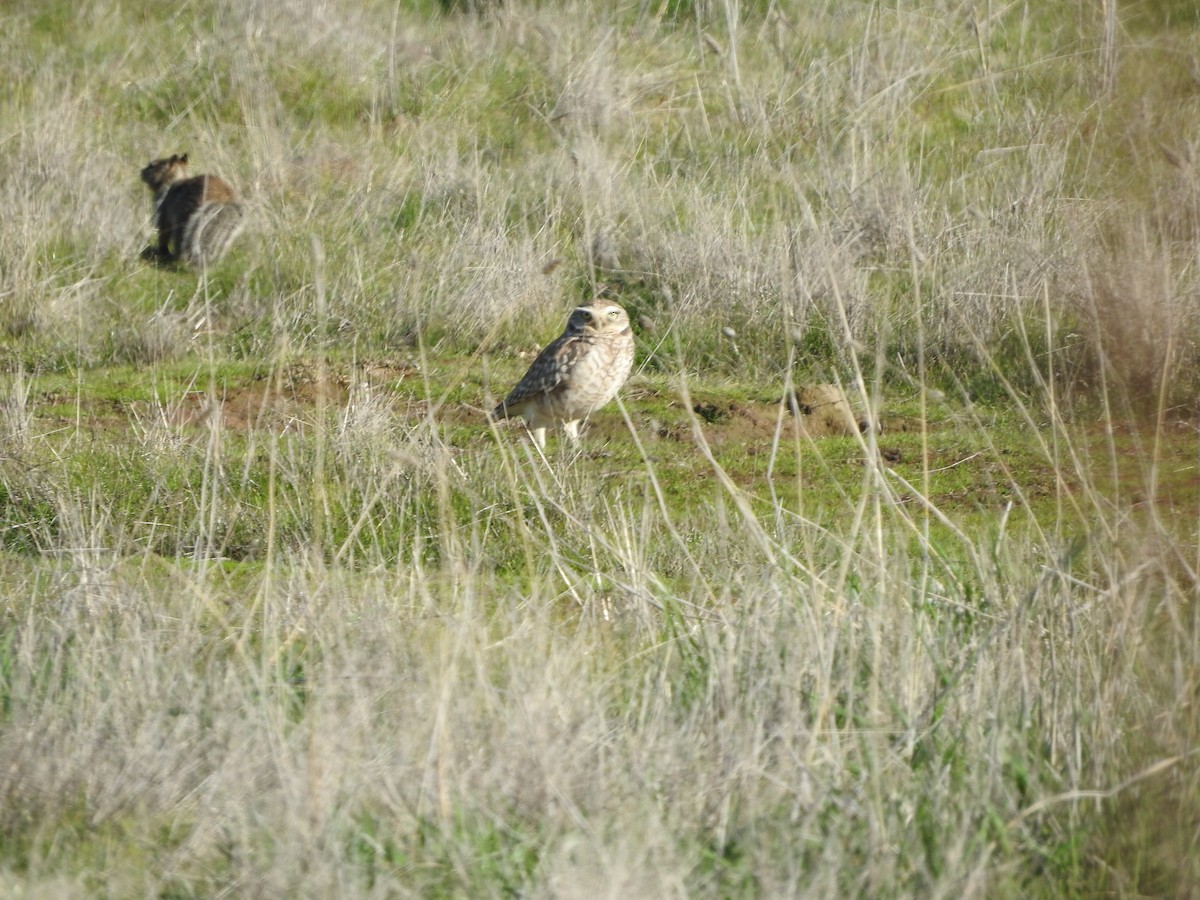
x: 572, y: 430
x: 539, y: 436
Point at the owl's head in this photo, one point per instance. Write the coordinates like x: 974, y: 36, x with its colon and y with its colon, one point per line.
x: 601, y: 317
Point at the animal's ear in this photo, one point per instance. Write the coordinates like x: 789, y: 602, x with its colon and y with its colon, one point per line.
x: 182, y: 157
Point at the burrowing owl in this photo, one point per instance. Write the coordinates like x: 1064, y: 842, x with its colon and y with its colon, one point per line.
x: 579, y: 372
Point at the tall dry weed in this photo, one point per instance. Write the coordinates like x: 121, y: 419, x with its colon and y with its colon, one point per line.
x: 1144, y: 326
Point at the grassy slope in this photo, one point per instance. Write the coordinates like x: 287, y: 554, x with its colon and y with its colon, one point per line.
x: 282, y: 616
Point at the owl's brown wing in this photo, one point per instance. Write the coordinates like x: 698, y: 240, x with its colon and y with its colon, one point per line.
x: 551, y: 370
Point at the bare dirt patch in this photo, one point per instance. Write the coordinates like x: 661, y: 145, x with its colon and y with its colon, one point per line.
x: 285, y: 399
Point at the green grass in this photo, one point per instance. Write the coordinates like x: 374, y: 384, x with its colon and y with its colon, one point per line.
x: 281, y: 613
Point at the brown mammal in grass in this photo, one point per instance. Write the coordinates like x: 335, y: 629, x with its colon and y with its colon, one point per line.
x: 197, y: 217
